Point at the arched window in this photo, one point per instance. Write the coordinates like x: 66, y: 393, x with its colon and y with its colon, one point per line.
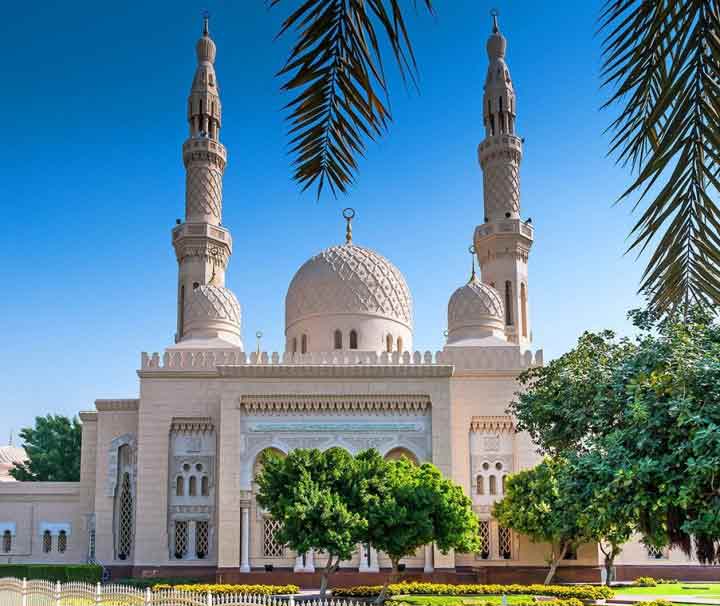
x: 192, y: 486
x: 205, y: 486
x: 179, y: 486
x: 504, y: 479
x: 523, y: 309
x: 303, y: 344
x: 508, y: 303
x: 337, y: 340
x: 400, y: 344
x: 47, y: 542
x: 480, y: 485
x: 7, y: 542
x: 353, y: 339
x: 294, y: 345
x: 389, y: 343
x: 62, y: 542
x: 493, y: 485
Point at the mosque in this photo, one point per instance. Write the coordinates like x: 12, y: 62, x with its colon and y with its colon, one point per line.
x: 167, y: 478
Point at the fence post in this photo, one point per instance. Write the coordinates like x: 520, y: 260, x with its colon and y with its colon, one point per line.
x: 24, y: 593
x: 57, y: 593
x: 209, y: 598
x: 98, y: 594
x: 291, y: 601
x: 148, y: 597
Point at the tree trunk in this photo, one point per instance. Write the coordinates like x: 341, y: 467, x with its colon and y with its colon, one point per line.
x: 327, y: 571
x: 554, y: 561
x: 609, y: 561
x: 394, y: 575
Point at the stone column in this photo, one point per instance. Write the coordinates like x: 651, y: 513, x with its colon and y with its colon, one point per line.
x: 428, y: 567
x: 227, y: 484
x: 245, y: 553
x: 192, y: 540
x: 299, y: 564
x: 310, y: 561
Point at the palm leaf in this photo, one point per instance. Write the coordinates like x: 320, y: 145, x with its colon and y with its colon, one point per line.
x: 335, y: 69
x: 662, y: 60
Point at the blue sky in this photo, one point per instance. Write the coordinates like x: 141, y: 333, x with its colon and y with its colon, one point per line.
x: 94, y: 101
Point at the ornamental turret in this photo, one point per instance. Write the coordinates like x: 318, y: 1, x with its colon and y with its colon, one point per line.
x: 503, y: 241
x: 206, y: 310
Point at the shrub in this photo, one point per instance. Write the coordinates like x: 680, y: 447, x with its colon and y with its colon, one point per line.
x: 529, y: 602
x: 87, y: 573
x: 216, y: 588
x: 644, y: 582
x: 580, y: 592
x: 658, y: 603
x: 151, y: 582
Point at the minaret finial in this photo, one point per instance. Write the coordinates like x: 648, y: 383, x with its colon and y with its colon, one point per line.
x: 348, y: 214
x: 495, y: 13
x: 471, y: 250
x: 206, y: 22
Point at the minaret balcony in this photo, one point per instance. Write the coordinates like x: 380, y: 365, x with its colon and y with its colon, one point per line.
x: 499, y: 144
x: 194, y: 234
x: 505, y: 228
x: 200, y: 148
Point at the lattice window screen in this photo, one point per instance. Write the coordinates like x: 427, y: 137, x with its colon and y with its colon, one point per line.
x: 504, y: 543
x: 484, y: 535
x: 181, y: 538
x: 91, y: 545
x: 202, y: 540
x: 271, y: 548
x: 7, y: 542
x: 656, y: 553
x: 125, y: 527
x: 47, y: 542
x: 62, y: 542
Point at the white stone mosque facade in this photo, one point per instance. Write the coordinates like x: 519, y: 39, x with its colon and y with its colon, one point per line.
x: 167, y: 478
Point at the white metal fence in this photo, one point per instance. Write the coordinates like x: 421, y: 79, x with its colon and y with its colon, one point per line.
x: 17, y: 592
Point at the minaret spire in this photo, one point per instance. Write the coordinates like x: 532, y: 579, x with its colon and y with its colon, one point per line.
x: 503, y: 241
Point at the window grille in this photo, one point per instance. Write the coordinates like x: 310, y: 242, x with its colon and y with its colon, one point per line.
x: 47, y: 542
x: 62, y: 542
x: 91, y: 545
x: 484, y: 536
x: 504, y: 543
x: 201, y: 539
x: 7, y: 542
x: 271, y: 547
x: 126, y: 518
x: 656, y: 553
x: 181, y: 539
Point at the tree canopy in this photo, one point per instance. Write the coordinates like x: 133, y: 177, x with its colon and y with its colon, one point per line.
x: 648, y: 425
x: 53, y: 450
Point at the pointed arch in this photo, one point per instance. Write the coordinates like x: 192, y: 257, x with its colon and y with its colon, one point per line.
x: 337, y: 339
x: 479, y: 485
x: 192, y: 486
x: 508, y: 303
x: 303, y: 343
x: 389, y: 343
x: 353, y: 339
x: 205, y: 486
x: 179, y: 486
x: 523, y: 309
x: 493, y: 485
x: 400, y: 345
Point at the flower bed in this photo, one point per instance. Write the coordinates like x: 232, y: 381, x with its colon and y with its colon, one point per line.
x: 529, y: 602
x: 564, y: 592
x: 224, y: 588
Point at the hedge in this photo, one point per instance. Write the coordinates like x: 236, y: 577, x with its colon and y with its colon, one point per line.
x: 223, y: 588
x: 568, y: 602
x: 581, y: 592
x: 65, y: 573
x: 651, y: 582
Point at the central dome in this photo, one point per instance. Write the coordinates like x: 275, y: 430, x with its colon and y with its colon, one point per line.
x: 348, y: 288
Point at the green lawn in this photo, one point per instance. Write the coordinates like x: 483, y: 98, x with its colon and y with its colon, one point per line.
x: 697, y: 590
x: 450, y: 600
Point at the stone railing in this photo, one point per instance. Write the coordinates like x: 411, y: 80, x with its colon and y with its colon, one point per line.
x: 497, y: 358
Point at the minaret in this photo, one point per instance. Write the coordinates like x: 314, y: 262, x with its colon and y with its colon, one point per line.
x: 202, y: 245
x: 503, y: 241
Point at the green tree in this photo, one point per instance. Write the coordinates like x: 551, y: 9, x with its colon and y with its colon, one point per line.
x: 662, y: 61
x: 536, y: 505
x: 316, y: 496
x: 53, y: 450
x: 336, y: 73
x: 650, y: 423
x: 413, y: 506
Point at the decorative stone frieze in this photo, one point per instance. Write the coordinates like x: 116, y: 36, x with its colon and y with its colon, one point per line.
x: 492, y: 424
x: 191, y: 425
x: 129, y: 404
x: 335, y: 403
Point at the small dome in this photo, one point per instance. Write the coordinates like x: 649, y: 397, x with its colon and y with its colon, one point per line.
x: 345, y: 286
x: 475, y: 310
x: 496, y: 45
x: 212, y: 312
x: 205, y: 47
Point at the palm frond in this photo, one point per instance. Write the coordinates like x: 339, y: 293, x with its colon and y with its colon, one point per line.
x: 336, y: 68
x: 662, y: 60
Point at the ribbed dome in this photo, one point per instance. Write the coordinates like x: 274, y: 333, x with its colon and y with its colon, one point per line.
x: 208, y: 302
x: 12, y: 454
x: 474, y: 310
x: 348, y: 279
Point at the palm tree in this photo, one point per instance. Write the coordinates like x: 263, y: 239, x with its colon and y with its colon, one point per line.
x: 662, y: 60
x: 335, y: 68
